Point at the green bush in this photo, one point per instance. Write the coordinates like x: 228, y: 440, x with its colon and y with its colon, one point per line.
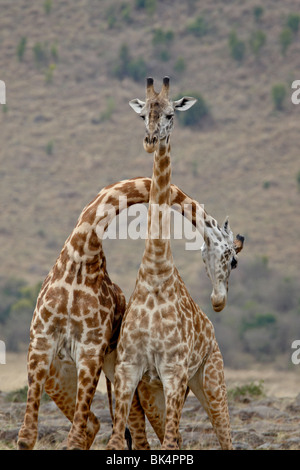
x: 48, y: 6
x: 293, y: 22
x: 128, y: 67
x: 21, y: 48
x: 247, y: 390
x: 148, y: 5
x: 257, y: 41
x: 237, y: 47
x: 162, y: 37
x: 195, y: 115
x: 278, y: 95
x: 285, y: 39
x: 179, y: 65
x: 198, y: 27
x: 298, y: 179
x: 257, y: 13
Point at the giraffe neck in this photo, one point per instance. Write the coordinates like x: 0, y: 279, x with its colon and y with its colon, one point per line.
x: 157, y: 259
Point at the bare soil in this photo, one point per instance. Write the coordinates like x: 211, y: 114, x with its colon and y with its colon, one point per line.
x: 268, y: 422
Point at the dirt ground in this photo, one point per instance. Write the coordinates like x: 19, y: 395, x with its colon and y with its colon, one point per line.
x: 269, y: 421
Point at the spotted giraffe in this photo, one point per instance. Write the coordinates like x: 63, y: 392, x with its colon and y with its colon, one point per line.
x: 165, y: 339
x: 77, y: 319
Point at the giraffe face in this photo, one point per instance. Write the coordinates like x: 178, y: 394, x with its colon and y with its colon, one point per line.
x: 219, y: 253
x: 158, y: 113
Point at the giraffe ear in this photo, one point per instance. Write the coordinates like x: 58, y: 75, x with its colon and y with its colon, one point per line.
x: 226, y: 226
x: 137, y: 105
x: 238, y: 243
x: 184, y: 103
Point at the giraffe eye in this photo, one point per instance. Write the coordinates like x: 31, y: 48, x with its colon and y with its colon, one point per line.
x: 169, y: 116
x: 233, y: 263
x: 142, y: 117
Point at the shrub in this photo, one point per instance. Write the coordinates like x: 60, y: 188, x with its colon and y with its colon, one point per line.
x: 198, y: 27
x: 148, y: 5
x: 293, y: 22
x: 257, y: 13
x: 162, y: 37
x: 298, y: 179
x: 195, y: 115
x: 237, y: 47
x: 257, y: 41
x: 21, y: 48
x: 128, y: 67
x: 179, y: 65
x: 48, y: 6
x: 285, y: 39
x: 252, y: 389
x: 278, y: 95
x: 49, y: 147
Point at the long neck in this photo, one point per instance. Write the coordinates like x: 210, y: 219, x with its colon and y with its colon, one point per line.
x: 86, y: 239
x: 157, y: 259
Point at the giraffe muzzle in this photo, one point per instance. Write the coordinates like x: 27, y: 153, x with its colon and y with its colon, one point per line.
x: 150, y: 142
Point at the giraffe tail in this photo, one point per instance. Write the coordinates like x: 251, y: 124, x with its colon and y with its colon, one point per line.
x: 110, y: 402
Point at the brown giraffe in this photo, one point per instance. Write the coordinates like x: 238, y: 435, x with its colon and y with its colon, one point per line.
x: 165, y: 338
x: 76, y: 322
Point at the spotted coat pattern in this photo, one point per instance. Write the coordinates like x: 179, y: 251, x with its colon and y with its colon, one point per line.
x: 166, y: 341
x: 76, y: 323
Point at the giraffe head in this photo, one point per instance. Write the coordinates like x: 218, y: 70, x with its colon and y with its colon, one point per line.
x: 219, y: 253
x: 158, y: 113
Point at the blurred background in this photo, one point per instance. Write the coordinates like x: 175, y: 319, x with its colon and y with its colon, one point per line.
x: 66, y: 131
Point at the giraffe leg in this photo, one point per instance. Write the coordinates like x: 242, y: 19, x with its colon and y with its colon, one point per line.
x: 38, y: 364
x: 126, y: 379
x: 175, y: 385
x: 61, y: 386
x: 88, y: 373
x: 208, y: 384
x: 137, y: 425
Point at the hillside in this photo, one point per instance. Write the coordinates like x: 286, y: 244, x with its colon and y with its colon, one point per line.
x: 67, y: 130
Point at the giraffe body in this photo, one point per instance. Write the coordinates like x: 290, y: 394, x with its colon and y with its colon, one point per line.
x: 76, y: 323
x: 165, y: 337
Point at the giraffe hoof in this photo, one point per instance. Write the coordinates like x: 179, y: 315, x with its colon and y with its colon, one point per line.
x: 23, y: 445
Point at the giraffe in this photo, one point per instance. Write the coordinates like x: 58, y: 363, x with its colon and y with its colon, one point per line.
x: 77, y: 319
x: 165, y: 339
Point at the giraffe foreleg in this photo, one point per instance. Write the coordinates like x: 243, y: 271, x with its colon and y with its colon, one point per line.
x: 175, y: 387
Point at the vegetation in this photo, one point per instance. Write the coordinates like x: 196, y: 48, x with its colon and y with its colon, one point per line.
x: 278, y: 95
x: 252, y: 389
x: 198, y: 27
x: 258, y: 13
x: 293, y: 22
x: 197, y: 113
x: 21, y: 48
x: 257, y: 41
x: 129, y: 67
x: 237, y: 46
x: 285, y: 40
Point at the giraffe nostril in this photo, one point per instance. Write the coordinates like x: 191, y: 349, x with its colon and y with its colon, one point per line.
x: 147, y: 140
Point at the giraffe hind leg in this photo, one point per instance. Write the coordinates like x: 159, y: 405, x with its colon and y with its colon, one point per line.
x: 61, y: 386
x: 208, y: 384
x: 38, y: 364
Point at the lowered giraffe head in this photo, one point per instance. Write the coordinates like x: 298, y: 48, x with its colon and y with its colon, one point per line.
x: 158, y: 113
x: 219, y: 253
